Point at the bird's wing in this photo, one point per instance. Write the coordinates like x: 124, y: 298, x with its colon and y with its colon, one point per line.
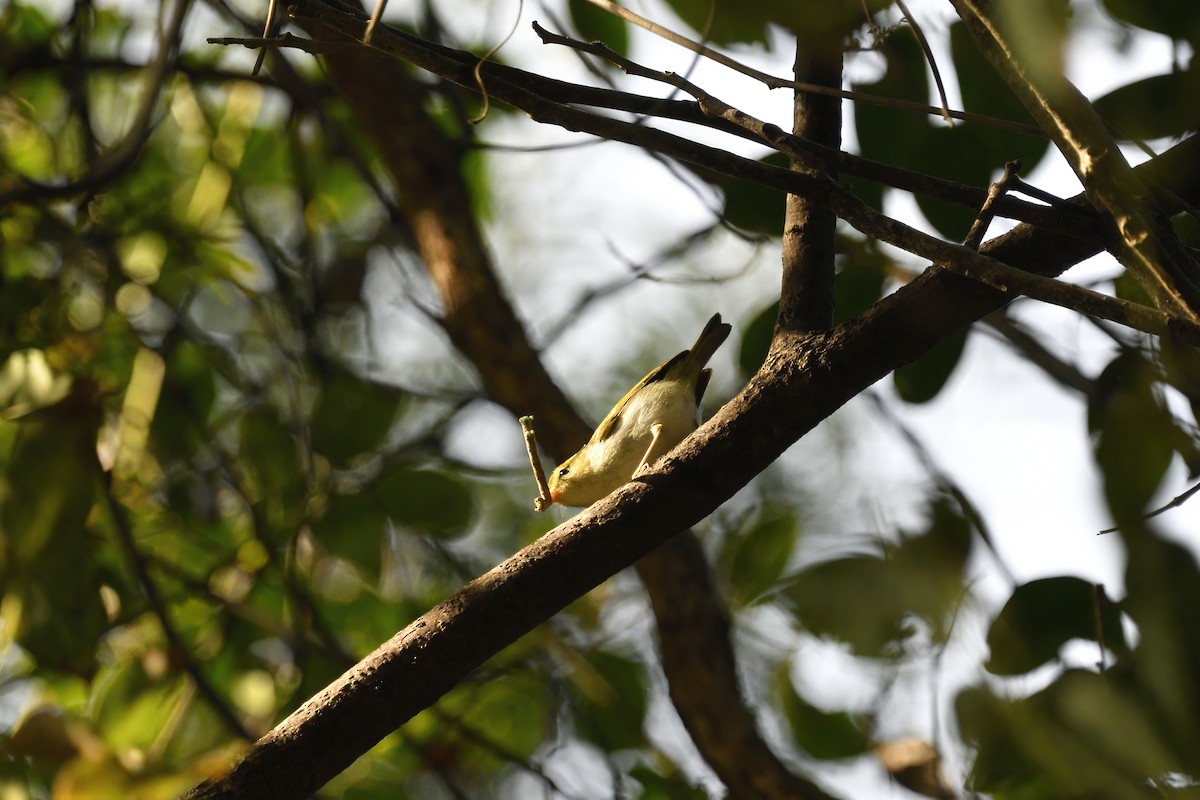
x: 613, y: 421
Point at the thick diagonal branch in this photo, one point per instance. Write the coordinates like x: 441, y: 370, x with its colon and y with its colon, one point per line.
x: 804, y: 380
x: 485, y: 328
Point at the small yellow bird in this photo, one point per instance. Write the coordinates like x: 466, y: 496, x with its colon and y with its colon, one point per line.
x: 655, y: 415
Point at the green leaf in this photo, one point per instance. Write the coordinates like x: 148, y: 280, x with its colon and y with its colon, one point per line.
x: 760, y: 555
x: 1134, y: 434
x: 656, y: 786
x: 720, y: 22
x: 1179, y: 19
x: 756, y: 338
x: 985, y: 92
x: 860, y: 279
x: 865, y: 600
x: 353, y: 528
x: 1163, y: 581
x: 1000, y: 762
x: 929, y: 567
x: 821, y: 734
x: 1043, y: 615
x: 352, y: 416
x: 887, y: 135
x: 920, y: 381
x: 610, y: 698
x: 129, y: 708
x: 1086, y: 735
x: 433, y: 503
x: 1155, y: 107
x: 1181, y: 363
x: 817, y: 23
x: 180, y: 424
x: 596, y: 24
x: 1127, y: 287
x: 852, y: 600
x: 753, y: 207
x: 51, y: 587
x: 25, y: 25
x: 512, y: 710
x: 959, y: 154
x: 1036, y: 35
x: 967, y: 152
x: 269, y: 454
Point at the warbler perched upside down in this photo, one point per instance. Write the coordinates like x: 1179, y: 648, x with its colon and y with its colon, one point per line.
x: 655, y: 415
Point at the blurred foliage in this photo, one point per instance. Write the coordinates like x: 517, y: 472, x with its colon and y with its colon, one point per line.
x: 213, y: 497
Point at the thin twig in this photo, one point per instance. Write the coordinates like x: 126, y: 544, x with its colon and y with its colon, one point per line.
x: 1076, y: 221
x: 380, y: 5
x: 1034, y: 351
x: 1098, y: 621
x: 986, y: 212
x: 483, y: 112
x: 1175, y: 503
x: 1018, y: 185
x: 262, y: 53
x: 919, y: 35
x: 310, y: 46
x: 543, y: 500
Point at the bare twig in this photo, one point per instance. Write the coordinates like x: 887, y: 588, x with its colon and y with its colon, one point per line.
x: 1098, y: 621
x: 483, y: 112
x: 1076, y: 220
x: 268, y: 30
x: 285, y: 40
x: 369, y: 33
x: 987, y: 211
x: 543, y: 500
x: 919, y: 35
x: 1031, y: 347
x: 1175, y: 503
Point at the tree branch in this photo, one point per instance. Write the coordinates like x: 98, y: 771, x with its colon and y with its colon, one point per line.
x: 1150, y: 248
x: 838, y: 199
x: 804, y: 380
x: 698, y: 660
x: 806, y: 299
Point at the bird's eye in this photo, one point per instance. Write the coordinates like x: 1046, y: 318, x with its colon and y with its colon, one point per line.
x: 562, y: 473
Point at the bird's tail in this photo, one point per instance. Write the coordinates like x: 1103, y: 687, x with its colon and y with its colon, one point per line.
x: 713, y: 336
